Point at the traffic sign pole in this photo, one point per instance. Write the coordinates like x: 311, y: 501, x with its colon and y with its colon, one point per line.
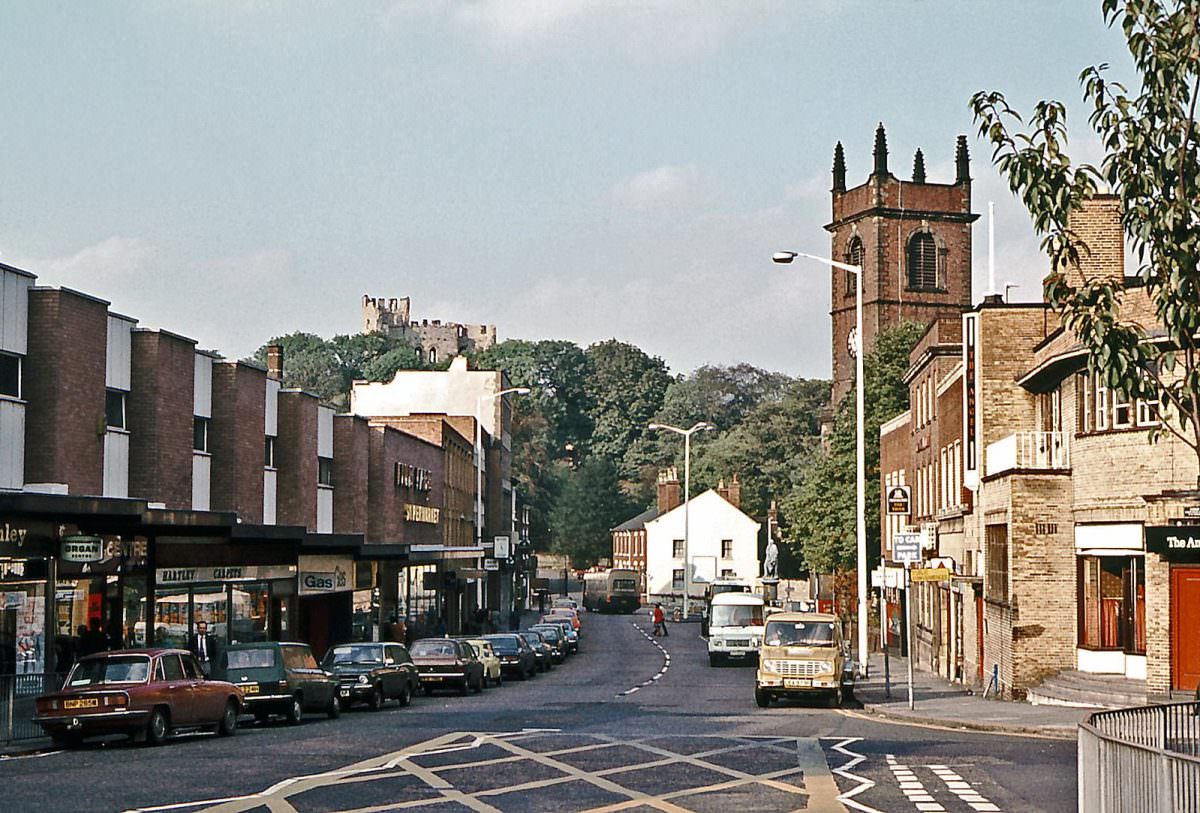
x: 908, y: 632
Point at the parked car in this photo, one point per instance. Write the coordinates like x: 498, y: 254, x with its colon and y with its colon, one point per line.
x: 143, y: 693
x: 373, y: 673
x: 554, y: 636
x: 567, y: 613
x: 541, y: 650
x: 516, y: 656
x: 446, y: 662
x: 567, y: 602
x: 802, y: 654
x: 279, y: 678
x: 565, y: 625
x: 492, y: 673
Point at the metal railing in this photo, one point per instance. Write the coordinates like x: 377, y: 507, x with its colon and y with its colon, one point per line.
x: 1141, y: 759
x: 1028, y: 450
x: 17, y: 696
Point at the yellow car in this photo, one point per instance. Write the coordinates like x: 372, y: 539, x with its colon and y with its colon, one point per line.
x: 802, y: 654
x: 491, y: 662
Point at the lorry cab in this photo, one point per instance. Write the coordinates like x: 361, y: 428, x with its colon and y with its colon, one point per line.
x: 802, y: 654
x: 735, y: 627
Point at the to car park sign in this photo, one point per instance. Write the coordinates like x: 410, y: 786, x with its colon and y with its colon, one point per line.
x: 906, y: 547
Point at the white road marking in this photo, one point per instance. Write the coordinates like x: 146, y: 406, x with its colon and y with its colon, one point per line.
x: 661, y: 672
x: 843, y: 771
x: 912, y: 787
x: 963, y: 790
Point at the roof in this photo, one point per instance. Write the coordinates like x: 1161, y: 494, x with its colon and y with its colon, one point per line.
x: 811, y: 617
x: 746, y: 599
x: 638, y: 522
x: 702, y: 500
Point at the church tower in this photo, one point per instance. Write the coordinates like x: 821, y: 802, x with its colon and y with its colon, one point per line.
x: 913, y: 242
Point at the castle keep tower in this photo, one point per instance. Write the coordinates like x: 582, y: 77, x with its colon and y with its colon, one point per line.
x: 913, y: 241
x: 435, y: 340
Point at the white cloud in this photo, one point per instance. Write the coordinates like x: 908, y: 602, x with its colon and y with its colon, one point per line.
x: 114, y: 260
x: 662, y: 187
x: 645, y: 30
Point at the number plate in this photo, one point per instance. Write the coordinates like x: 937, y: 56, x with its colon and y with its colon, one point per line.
x: 344, y: 692
x: 797, y: 683
x: 250, y: 688
x: 82, y: 703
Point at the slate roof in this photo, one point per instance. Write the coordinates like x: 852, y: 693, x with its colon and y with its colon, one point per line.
x: 638, y: 522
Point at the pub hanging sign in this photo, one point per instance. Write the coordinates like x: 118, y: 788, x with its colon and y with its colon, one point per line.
x: 1175, y: 543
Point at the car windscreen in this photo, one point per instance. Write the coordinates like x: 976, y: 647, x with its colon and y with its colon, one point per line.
x: 131, y: 669
x: 261, y: 658
x: 505, y: 646
x: 624, y: 584
x: 533, y: 638
x: 553, y: 633
x: 799, y: 633
x: 737, y: 615
x: 364, y: 654
x: 433, y: 648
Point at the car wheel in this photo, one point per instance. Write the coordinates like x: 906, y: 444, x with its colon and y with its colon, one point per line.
x: 478, y: 685
x: 405, y: 696
x: 462, y: 687
x: 158, y: 728
x: 762, y: 698
x: 228, y: 725
x: 375, y: 701
x: 295, y: 711
x: 335, y: 706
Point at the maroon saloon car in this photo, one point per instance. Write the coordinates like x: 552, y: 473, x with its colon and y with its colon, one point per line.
x: 145, y: 693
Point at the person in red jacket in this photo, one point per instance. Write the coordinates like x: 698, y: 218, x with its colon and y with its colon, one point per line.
x: 660, y: 621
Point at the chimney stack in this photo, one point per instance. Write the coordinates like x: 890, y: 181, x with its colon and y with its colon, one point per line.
x: 668, y: 490
x: 275, y: 362
x: 1097, y: 224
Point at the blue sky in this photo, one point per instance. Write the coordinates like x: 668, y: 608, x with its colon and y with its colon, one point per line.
x: 580, y: 170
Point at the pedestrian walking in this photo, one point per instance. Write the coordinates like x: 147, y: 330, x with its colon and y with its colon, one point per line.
x: 660, y: 621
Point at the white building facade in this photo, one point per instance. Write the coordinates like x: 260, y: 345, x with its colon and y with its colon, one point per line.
x: 722, y: 543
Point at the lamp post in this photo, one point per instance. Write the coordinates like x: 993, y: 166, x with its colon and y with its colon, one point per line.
x: 860, y: 523
x: 479, y: 467
x: 687, y: 486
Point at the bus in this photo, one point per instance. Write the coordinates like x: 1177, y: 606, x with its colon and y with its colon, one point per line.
x: 612, y: 591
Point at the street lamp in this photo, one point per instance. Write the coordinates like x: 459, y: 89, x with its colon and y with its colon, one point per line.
x: 479, y: 453
x: 860, y: 524
x: 687, y: 486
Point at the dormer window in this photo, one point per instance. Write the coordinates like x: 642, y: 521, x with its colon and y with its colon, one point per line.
x: 923, y: 262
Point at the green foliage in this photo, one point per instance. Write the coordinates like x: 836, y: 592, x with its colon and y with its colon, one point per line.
x: 590, y: 505
x: 819, y: 512
x: 1151, y: 160
x: 625, y: 389
x: 326, y: 368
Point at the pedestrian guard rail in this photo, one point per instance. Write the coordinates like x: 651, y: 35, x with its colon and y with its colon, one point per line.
x: 1141, y: 760
x: 18, y: 694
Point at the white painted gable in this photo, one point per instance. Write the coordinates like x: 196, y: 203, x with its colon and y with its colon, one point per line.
x: 711, y: 519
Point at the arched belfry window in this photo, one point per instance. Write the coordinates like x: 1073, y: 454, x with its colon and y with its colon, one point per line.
x: 855, y: 255
x: 923, y: 262
x: 433, y: 355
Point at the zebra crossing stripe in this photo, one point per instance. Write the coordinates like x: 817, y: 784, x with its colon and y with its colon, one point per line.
x: 963, y: 790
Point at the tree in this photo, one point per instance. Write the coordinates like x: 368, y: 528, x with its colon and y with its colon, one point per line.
x: 819, y: 513
x: 723, y: 396
x: 309, y: 363
x: 590, y: 505
x: 1151, y: 159
x: 625, y: 388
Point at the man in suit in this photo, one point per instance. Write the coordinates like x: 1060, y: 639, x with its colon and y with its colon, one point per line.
x: 205, y: 647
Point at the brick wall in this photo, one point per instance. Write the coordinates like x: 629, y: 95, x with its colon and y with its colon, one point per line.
x: 236, y: 439
x: 385, y: 520
x: 1097, y: 224
x: 162, y: 382
x: 351, y: 444
x: 64, y: 381
x: 296, y: 458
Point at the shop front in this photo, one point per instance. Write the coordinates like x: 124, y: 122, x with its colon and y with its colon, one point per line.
x: 238, y: 603
x: 1111, y: 599
x: 27, y: 552
x: 325, y: 594
x: 1179, y: 547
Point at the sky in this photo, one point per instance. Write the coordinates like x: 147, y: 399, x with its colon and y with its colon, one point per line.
x: 582, y: 170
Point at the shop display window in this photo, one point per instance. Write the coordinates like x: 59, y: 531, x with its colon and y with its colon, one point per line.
x: 1112, y: 603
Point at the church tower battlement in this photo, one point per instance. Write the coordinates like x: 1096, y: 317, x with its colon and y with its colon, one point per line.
x: 912, y: 239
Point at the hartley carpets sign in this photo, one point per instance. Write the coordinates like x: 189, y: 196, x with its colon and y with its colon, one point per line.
x: 1177, y: 543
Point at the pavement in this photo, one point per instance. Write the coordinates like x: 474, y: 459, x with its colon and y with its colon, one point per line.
x: 938, y: 702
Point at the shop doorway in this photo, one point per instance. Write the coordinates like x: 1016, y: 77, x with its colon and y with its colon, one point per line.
x: 1185, y: 620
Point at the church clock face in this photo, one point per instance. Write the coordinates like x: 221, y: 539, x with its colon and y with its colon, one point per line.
x: 852, y: 342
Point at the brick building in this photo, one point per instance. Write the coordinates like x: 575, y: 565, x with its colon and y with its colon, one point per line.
x: 629, y: 538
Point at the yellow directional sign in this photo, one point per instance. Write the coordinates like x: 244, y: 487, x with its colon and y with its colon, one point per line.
x: 930, y: 574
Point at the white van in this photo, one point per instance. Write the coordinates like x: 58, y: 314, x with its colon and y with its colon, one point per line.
x: 735, y: 627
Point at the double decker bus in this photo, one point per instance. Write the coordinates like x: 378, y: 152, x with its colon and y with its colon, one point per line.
x: 612, y: 591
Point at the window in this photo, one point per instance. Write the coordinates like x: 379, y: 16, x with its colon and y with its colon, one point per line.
x: 677, y: 579
x: 325, y: 471
x: 854, y: 256
x: 922, y: 261
x: 172, y: 668
x: 10, y: 375
x: 1147, y: 412
x: 1122, y: 411
x: 726, y: 548
x: 1102, y: 403
x: 1112, y: 603
x: 200, y: 434
x: 269, y: 452
x: 997, y: 562
x: 678, y: 549
x: 433, y: 355
x: 1083, y: 403
x: 114, y: 409
x: 728, y: 574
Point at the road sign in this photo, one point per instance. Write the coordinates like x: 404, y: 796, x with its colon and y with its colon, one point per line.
x: 899, y: 501
x: 491, y: 564
x: 501, y: 548
x: 906, y: 547
x: 929, y: 574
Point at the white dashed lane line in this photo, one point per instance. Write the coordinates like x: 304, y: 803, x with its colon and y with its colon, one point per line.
x: 962, y: 789
x: 666, y: 662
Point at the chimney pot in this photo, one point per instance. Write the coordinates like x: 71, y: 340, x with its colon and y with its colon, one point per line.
x: 275, y: 362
